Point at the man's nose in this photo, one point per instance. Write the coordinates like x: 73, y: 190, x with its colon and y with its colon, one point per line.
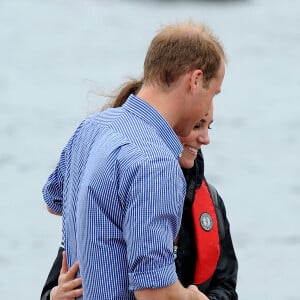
x: 204, y: 138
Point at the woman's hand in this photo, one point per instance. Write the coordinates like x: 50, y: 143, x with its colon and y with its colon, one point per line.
x: 68, y: 287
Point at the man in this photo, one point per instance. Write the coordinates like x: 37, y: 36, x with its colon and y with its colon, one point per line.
x: 118, y: 183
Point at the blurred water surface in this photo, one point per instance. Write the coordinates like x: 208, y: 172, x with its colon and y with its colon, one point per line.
x: 55, y: 54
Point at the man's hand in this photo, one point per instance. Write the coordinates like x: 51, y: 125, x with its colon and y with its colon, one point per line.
x: 198, y: 295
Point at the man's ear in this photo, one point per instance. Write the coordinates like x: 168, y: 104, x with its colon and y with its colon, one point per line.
x: 196, y: 79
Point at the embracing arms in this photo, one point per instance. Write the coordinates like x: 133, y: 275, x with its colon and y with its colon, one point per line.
x: 61, y: 285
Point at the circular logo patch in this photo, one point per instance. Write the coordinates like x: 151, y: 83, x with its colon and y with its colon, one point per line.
x: 206, y: 221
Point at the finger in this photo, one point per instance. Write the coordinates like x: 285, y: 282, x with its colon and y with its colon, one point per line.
x: 73, y: 284
x: 65, y: 293
x: 72, y: 271
x: 64, y: 265
x: 75, y: 293
x: 65, y: 290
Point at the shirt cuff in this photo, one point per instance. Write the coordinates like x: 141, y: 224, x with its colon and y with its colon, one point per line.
x: 153, y: 279
x: 53, y: 204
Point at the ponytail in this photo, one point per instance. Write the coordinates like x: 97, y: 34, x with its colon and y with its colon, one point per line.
x: 130, y: 87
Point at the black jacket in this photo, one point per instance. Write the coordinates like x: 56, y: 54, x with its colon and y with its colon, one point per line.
x: 222, y: 285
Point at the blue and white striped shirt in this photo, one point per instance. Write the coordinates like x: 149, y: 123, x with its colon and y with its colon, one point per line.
x: 120, y: 188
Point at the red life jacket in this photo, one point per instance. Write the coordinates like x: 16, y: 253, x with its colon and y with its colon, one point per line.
x: 206, y: 234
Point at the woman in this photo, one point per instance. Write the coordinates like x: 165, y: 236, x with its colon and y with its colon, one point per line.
x: 204, y: 251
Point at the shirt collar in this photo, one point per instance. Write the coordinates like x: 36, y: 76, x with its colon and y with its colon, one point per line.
x: 150, y: 115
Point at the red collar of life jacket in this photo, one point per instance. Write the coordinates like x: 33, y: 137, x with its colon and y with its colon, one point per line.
x: 206, y: 234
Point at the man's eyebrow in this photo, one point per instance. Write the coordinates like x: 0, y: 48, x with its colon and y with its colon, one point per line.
x: 203, y: 120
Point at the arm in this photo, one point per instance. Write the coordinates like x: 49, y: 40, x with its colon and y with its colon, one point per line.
x: 53, y: 188
x: 152, y: 273
x: 223, y: 283
x: 151, y: 224
x: 172, y: 292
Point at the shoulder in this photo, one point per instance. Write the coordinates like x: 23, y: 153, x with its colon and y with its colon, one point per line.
x: 214, y: 194
x: 220, y: 209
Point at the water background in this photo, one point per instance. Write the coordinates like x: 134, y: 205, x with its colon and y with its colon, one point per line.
x: 55, y: 54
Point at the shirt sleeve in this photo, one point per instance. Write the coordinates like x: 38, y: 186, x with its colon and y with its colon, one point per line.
x: 153, y: 194
x: 53, y: 189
